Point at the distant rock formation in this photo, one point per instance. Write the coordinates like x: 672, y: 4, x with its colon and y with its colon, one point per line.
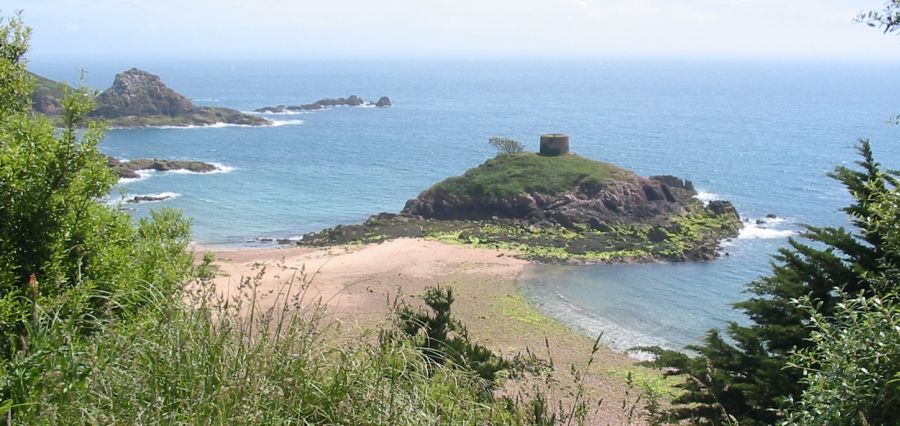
x: 137, y: 199
x: 137, y: 99
x: 352, y: 100
x: 47, y: 96
x: 139, y: 93
x: 383, y: 101
x: 129, y: 169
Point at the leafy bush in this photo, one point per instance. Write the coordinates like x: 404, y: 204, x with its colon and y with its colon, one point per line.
x: 852, y: 370
x: 68, y: 261
x: 506, y: 145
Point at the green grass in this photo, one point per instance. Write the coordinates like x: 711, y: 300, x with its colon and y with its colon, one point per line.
x: 513, y: 174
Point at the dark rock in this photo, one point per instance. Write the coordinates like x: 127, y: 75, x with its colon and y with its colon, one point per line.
x: 720, y: 207
x: 383, y: 101
x: 129, y: 169
x: 656, y: 235
x: 760, y: 222
x: 598, y: 225
x: 771, y: 216
x: 653, y: 194
x: 147, y: 198
x: 668, y: 194
x: 352, y: 100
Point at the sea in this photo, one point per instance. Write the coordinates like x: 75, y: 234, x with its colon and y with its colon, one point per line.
x: 763, y: 134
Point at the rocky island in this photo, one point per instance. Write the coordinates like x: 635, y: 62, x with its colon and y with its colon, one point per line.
x: 556, y: 206
x: 352, y: 101
x: 139, y: 99
x: 129, y: 169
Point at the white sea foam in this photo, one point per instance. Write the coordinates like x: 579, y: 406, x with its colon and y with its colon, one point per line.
x: 765, y: 231
x: 705, y: 196
x: 279, y: 123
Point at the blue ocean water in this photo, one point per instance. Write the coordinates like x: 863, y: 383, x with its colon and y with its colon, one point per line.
x: 761, y: 134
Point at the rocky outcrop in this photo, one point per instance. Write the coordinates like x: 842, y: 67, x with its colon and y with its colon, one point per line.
x: 615, y: 201
x: 47, y: 96
x: 152, y: 198
x: 352, y: 101
x: 383, y: 101
x: 139, y: 93
x: 138, y: 98
x: 562, y: 208
x: 129, y: 169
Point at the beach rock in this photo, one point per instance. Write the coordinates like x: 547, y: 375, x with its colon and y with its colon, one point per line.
x: 771, y: 216
x: 760, y: 222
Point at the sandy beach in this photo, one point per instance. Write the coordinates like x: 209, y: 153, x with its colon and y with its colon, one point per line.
x: 358, y: 284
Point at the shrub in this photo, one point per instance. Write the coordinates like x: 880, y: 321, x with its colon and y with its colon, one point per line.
x: 506, y: 145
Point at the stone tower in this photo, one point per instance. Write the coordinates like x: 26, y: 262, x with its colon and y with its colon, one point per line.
x: 554, y: 144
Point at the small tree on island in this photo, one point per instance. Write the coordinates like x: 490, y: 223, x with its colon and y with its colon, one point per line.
x: 506, y: 145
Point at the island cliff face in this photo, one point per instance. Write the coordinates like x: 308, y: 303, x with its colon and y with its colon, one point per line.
x: 139, y: 98
x: 563, y: 208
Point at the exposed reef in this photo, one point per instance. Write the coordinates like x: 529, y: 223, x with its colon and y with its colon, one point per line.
x: 130, y: 169
x: 352, y: 101
x: 557, y: 208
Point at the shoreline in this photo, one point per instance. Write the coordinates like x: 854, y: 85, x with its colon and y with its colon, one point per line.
x: 357, y: 285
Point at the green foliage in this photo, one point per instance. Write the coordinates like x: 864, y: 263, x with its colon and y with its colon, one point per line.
x: 66, y: 258
x: 444, y: 340
x: 506, y: 145
x: 748, y: 380
x: 852, y: 370
x: 514, y: 174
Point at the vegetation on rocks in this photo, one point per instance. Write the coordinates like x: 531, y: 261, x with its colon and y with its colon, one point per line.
x: 523, y: 172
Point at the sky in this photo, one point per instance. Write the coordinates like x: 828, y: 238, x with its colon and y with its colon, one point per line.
x: 455, y: 28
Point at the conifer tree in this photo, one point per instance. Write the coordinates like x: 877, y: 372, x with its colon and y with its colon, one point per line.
x: 744, y: 378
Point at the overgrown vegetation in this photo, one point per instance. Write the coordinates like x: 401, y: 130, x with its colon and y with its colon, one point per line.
x: 508, y: 175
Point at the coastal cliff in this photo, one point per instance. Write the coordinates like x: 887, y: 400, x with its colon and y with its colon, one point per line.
x: 557, y: 208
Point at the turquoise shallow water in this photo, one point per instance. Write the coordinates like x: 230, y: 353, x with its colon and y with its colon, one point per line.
x: 761, y: 134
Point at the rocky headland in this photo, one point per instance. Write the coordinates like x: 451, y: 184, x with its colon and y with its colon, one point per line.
x: 557, y: 208
x: 140, y: 99
x: 352, y: 101
x: 130, y: 169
